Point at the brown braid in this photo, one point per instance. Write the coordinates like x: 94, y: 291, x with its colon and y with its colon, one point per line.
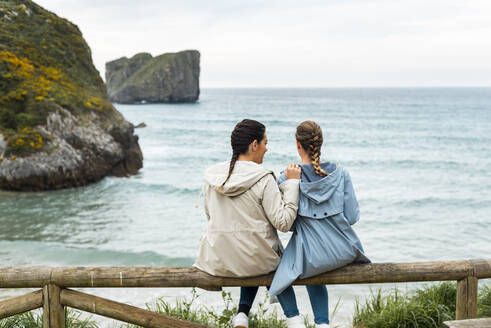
x: 244, y: 133
x: 235, y: 156
x: 309, y: 134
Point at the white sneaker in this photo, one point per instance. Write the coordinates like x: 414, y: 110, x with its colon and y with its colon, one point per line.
x: 295, y: 322
x: 323, y: 325
x: 241, y: 320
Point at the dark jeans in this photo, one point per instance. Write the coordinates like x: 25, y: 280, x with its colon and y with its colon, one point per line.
x: 318, y: 299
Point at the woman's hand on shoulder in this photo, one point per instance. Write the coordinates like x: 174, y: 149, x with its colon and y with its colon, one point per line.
x: 293, y: 171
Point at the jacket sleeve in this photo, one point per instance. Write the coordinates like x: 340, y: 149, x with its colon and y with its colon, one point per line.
x: 281, y: 178
x: 206, y: 196
x: 280, y: 203
x: 351, y: 208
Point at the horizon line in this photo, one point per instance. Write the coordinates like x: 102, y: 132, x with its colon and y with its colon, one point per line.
x: 348, y: 87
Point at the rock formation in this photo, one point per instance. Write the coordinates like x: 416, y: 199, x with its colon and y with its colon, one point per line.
x: 57, y: 126
x: 168, y: 78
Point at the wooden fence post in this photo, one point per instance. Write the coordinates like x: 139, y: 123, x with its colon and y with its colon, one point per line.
x: 466, y: 298
x: 54, y: 311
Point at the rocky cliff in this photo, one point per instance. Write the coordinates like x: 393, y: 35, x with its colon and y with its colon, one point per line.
x: 57, y: 126
x: 171, y: 77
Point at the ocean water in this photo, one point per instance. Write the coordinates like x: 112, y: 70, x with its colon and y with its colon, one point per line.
x: 420, y: 160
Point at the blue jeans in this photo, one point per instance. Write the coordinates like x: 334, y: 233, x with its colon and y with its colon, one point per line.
x: 317, y: 294
x: 287, y: 299
x: 319, y: 300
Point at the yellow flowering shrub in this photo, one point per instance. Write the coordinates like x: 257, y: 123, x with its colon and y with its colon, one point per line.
x: 44, y: 63
x: 96, y: 103
x: 23, y: 141
x: 19, y: 66
x: 45, y: 83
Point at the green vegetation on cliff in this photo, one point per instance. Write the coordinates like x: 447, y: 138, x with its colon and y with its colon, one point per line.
x: 44, y: 63
x: 170, y: 77
x: 152, y: 66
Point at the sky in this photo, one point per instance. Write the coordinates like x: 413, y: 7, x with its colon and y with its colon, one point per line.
x: 329, y: 43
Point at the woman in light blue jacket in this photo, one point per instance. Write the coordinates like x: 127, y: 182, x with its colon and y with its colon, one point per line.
x: 323, y: 239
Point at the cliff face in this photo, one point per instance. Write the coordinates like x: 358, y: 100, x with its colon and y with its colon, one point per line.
x: 57, y: 126
x: 172, y: 77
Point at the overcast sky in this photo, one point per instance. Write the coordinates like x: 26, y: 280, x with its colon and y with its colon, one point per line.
x: 329, y: 43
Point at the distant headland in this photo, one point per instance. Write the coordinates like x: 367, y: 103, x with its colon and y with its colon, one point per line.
x: 168, y: 78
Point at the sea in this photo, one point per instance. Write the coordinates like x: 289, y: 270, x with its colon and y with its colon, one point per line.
x: 419, y: 158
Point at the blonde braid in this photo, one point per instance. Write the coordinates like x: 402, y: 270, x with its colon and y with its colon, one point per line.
x: 314, y: 154
x: 309, y: 134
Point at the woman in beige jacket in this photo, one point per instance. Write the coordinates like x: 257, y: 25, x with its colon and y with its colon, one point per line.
x: 244, y: 207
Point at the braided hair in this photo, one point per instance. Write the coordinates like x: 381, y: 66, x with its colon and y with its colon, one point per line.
x: 244, y: 133
x: 309, y: 134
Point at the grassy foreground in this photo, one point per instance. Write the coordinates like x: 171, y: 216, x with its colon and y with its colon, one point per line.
x: 425, y: 307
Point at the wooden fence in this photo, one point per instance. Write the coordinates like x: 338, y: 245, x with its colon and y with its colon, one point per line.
x: 55, y: 281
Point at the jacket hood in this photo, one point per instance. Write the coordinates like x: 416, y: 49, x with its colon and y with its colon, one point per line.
x: 324, y: 189
x: 243, y: 177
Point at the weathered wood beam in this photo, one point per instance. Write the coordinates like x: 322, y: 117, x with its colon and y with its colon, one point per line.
x: 54, y: 311
x: 466, y: 307
x: 25, y: 277
x: 21, y: 304
x: 120, y: 311
x: 482, y: 268
x: 192, y: 277
x: 471, y: 323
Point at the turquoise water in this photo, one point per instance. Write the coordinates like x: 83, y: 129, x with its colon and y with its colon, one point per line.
x: 420, y: 160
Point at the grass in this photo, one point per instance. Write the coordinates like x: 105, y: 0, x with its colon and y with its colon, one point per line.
x: 425, y: 307
x: 187, y: 310
x: 34, y: 319
x: 484, y: 302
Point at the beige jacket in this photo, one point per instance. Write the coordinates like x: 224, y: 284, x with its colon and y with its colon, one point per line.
x: 241, y: 238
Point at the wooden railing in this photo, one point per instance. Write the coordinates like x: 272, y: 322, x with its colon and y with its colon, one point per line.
x: 55, y: 282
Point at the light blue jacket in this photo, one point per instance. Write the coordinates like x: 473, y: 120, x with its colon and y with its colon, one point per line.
x: 323, y: 239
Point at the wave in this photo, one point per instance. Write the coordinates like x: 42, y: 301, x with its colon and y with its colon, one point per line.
x: 409, y: 163
x: 165, y: 188
x: 409, y: 201
x: 443, y: 202
x: 282, y: 158
x: 112, y: 185
x: 53, y: 254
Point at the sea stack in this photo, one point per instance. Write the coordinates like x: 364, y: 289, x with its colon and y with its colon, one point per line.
x: 58, y: 128
x: 168, y: 78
